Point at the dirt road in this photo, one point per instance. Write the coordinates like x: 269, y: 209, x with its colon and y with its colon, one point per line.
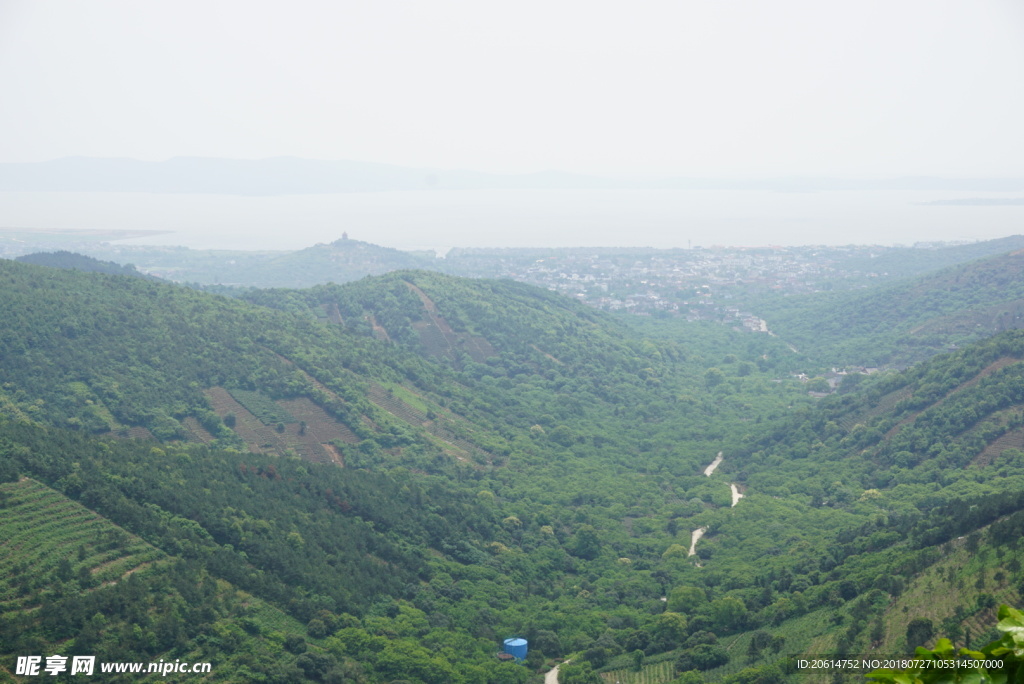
x: 736, y: 496
x: 714, y: 464
x: 552, y: 676
x: 694, y: 538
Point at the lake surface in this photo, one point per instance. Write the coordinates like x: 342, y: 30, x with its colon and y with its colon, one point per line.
x: 442, y: 219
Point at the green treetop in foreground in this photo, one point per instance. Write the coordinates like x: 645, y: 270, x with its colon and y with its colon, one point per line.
x: 944, y: 664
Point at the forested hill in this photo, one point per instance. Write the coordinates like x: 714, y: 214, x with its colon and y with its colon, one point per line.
x: 306, y: 548
x: 511, y: 461
x: 469, y: 321
x: 905, y: 323
x: 79, y: 262
x: 957, y: 411
x: 534, y: 358
x: 110, y: 354
x: 931, y: 461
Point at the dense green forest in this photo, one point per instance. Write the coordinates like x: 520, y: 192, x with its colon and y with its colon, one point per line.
x: 380, y: 481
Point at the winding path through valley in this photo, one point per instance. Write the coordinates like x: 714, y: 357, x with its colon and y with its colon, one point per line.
x: 736, y: 496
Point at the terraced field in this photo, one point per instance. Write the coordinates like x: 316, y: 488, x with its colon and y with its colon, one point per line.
x: 139, y: 432
x: 54, y: 549
x: 659, y: 673
x: 934, y: 594
x: 1014, y: 439
x: 308, y: 432
x: 885, y: 404
x: 92, y: 404
x: 198, y: 432
x: 44, y: 534
x: 263, y: 407
x: 333, y: 314
x: 319, y: 424
x: 995, y: 318
x: 256, y: 435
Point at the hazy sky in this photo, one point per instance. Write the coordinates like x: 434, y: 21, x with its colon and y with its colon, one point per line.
x: 693, y: 87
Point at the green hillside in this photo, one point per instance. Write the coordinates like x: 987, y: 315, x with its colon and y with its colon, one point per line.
x: 445, y: 317
x: 515, y: 338
x: 905, y: 323
x: 938, y: 545
x: 320, y: 543
x: 117, y: 355
x: 76, y: 584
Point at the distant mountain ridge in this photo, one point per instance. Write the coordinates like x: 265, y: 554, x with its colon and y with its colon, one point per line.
x: 293, y: 175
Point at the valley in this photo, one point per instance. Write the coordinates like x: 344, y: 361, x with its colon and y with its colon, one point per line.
x: 380, y: 480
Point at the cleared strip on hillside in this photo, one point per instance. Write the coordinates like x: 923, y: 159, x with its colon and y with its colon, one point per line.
x: 452, y: 441
x: 440, y: 340
x: 988, y: 370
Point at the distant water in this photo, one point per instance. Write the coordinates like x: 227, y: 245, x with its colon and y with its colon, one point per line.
x: 520, y: 218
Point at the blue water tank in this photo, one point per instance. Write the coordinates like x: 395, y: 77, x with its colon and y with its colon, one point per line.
x: 516, y: 647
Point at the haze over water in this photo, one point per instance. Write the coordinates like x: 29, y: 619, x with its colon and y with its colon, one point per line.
x: 441, y: 219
